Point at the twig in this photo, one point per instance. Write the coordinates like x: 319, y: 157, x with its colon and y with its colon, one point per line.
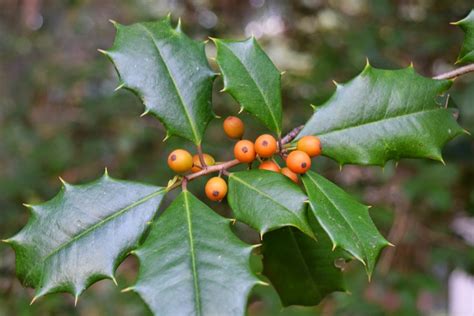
x: 201, y: 157
x: 222, y: 167
x: 456, y: 72
x: 184, y: 184
x: 291, y: 135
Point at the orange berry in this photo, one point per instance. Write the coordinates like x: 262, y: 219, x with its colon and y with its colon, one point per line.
x: 208, y: 159
x: 216, y: 188
x: 180, y: 161
x: 234, y: 127
x: 310, y: 145
x: 290, y: 174
x: 270, y: 166
x: 265, y: 146
x: 298, y: 161
x: 244, y: 151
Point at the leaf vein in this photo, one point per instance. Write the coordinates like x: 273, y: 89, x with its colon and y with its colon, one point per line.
x: 259, y: 89
x: 175, y: 85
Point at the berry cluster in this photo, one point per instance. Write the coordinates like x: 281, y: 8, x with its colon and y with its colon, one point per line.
x: 298, y: 160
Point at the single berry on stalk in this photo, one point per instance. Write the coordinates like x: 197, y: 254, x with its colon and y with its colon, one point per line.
x: 265, y: 145
x: 298, y: 161
x: 244, y: 151
x: 180, y: 161
x: 216, y: 189
x: 234, y: 127
x: 310, y: 145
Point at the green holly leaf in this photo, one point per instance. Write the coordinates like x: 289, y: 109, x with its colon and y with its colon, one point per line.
x: 192, y: 263
x: 169, y: 72
x: 345, y: 220
x: 467, y: 50
x: 81, y: 235
x: 266, y: 200
x: 252, y: 79
x: 382, y: 115
x: 302, y: 270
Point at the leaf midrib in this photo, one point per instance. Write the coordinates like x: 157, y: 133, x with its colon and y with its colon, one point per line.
x: 259, y: 89
x: 364, y: 254
x: 268, y: 197
x: 181, y: 99
x: 197, y: 294
x: 97, y: 225
x: 380, y: 121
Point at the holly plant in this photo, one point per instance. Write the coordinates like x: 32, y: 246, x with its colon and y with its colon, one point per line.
x: 191, y: 262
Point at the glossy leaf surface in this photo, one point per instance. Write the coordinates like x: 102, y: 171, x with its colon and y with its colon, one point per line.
x: 384, y: 115
x: 169, y: 72
x: 193, y: 264
x: 252, y: 79
x: 467, y: 50
x: 266, y: 200
x: 345, y: 220
x: 83, y: 233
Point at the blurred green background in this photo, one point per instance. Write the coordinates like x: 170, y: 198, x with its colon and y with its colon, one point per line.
x: 60, y: 116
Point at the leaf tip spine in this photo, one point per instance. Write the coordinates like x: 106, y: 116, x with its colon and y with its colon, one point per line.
x: 334, y: 246
x: 178, y: 26
x: 114, y: 280
x: 127, y: 289
x: 145, y: 113
x: 223, y: 89
x: 213, y: 39
x: 168, y: 135
x: 263, y: 283
x: 313, y: 106
x: 103, y: 51
x: 256, y: 246
x: 64, y: 183
x: 442, y: 161
x: 120, y: 86
x: 369, y: 276
x: 241, y: 109
x: 367, y: 63
x: 232, y: 221
x: 34, y: 299
x: 106, y: 172
x: 282, y: 73
x: 113, y: 22
x: 390, y: 244
x: 465, y: 131
x: 6, y: 241
x: 76, y: 299
x: 27, y: 205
